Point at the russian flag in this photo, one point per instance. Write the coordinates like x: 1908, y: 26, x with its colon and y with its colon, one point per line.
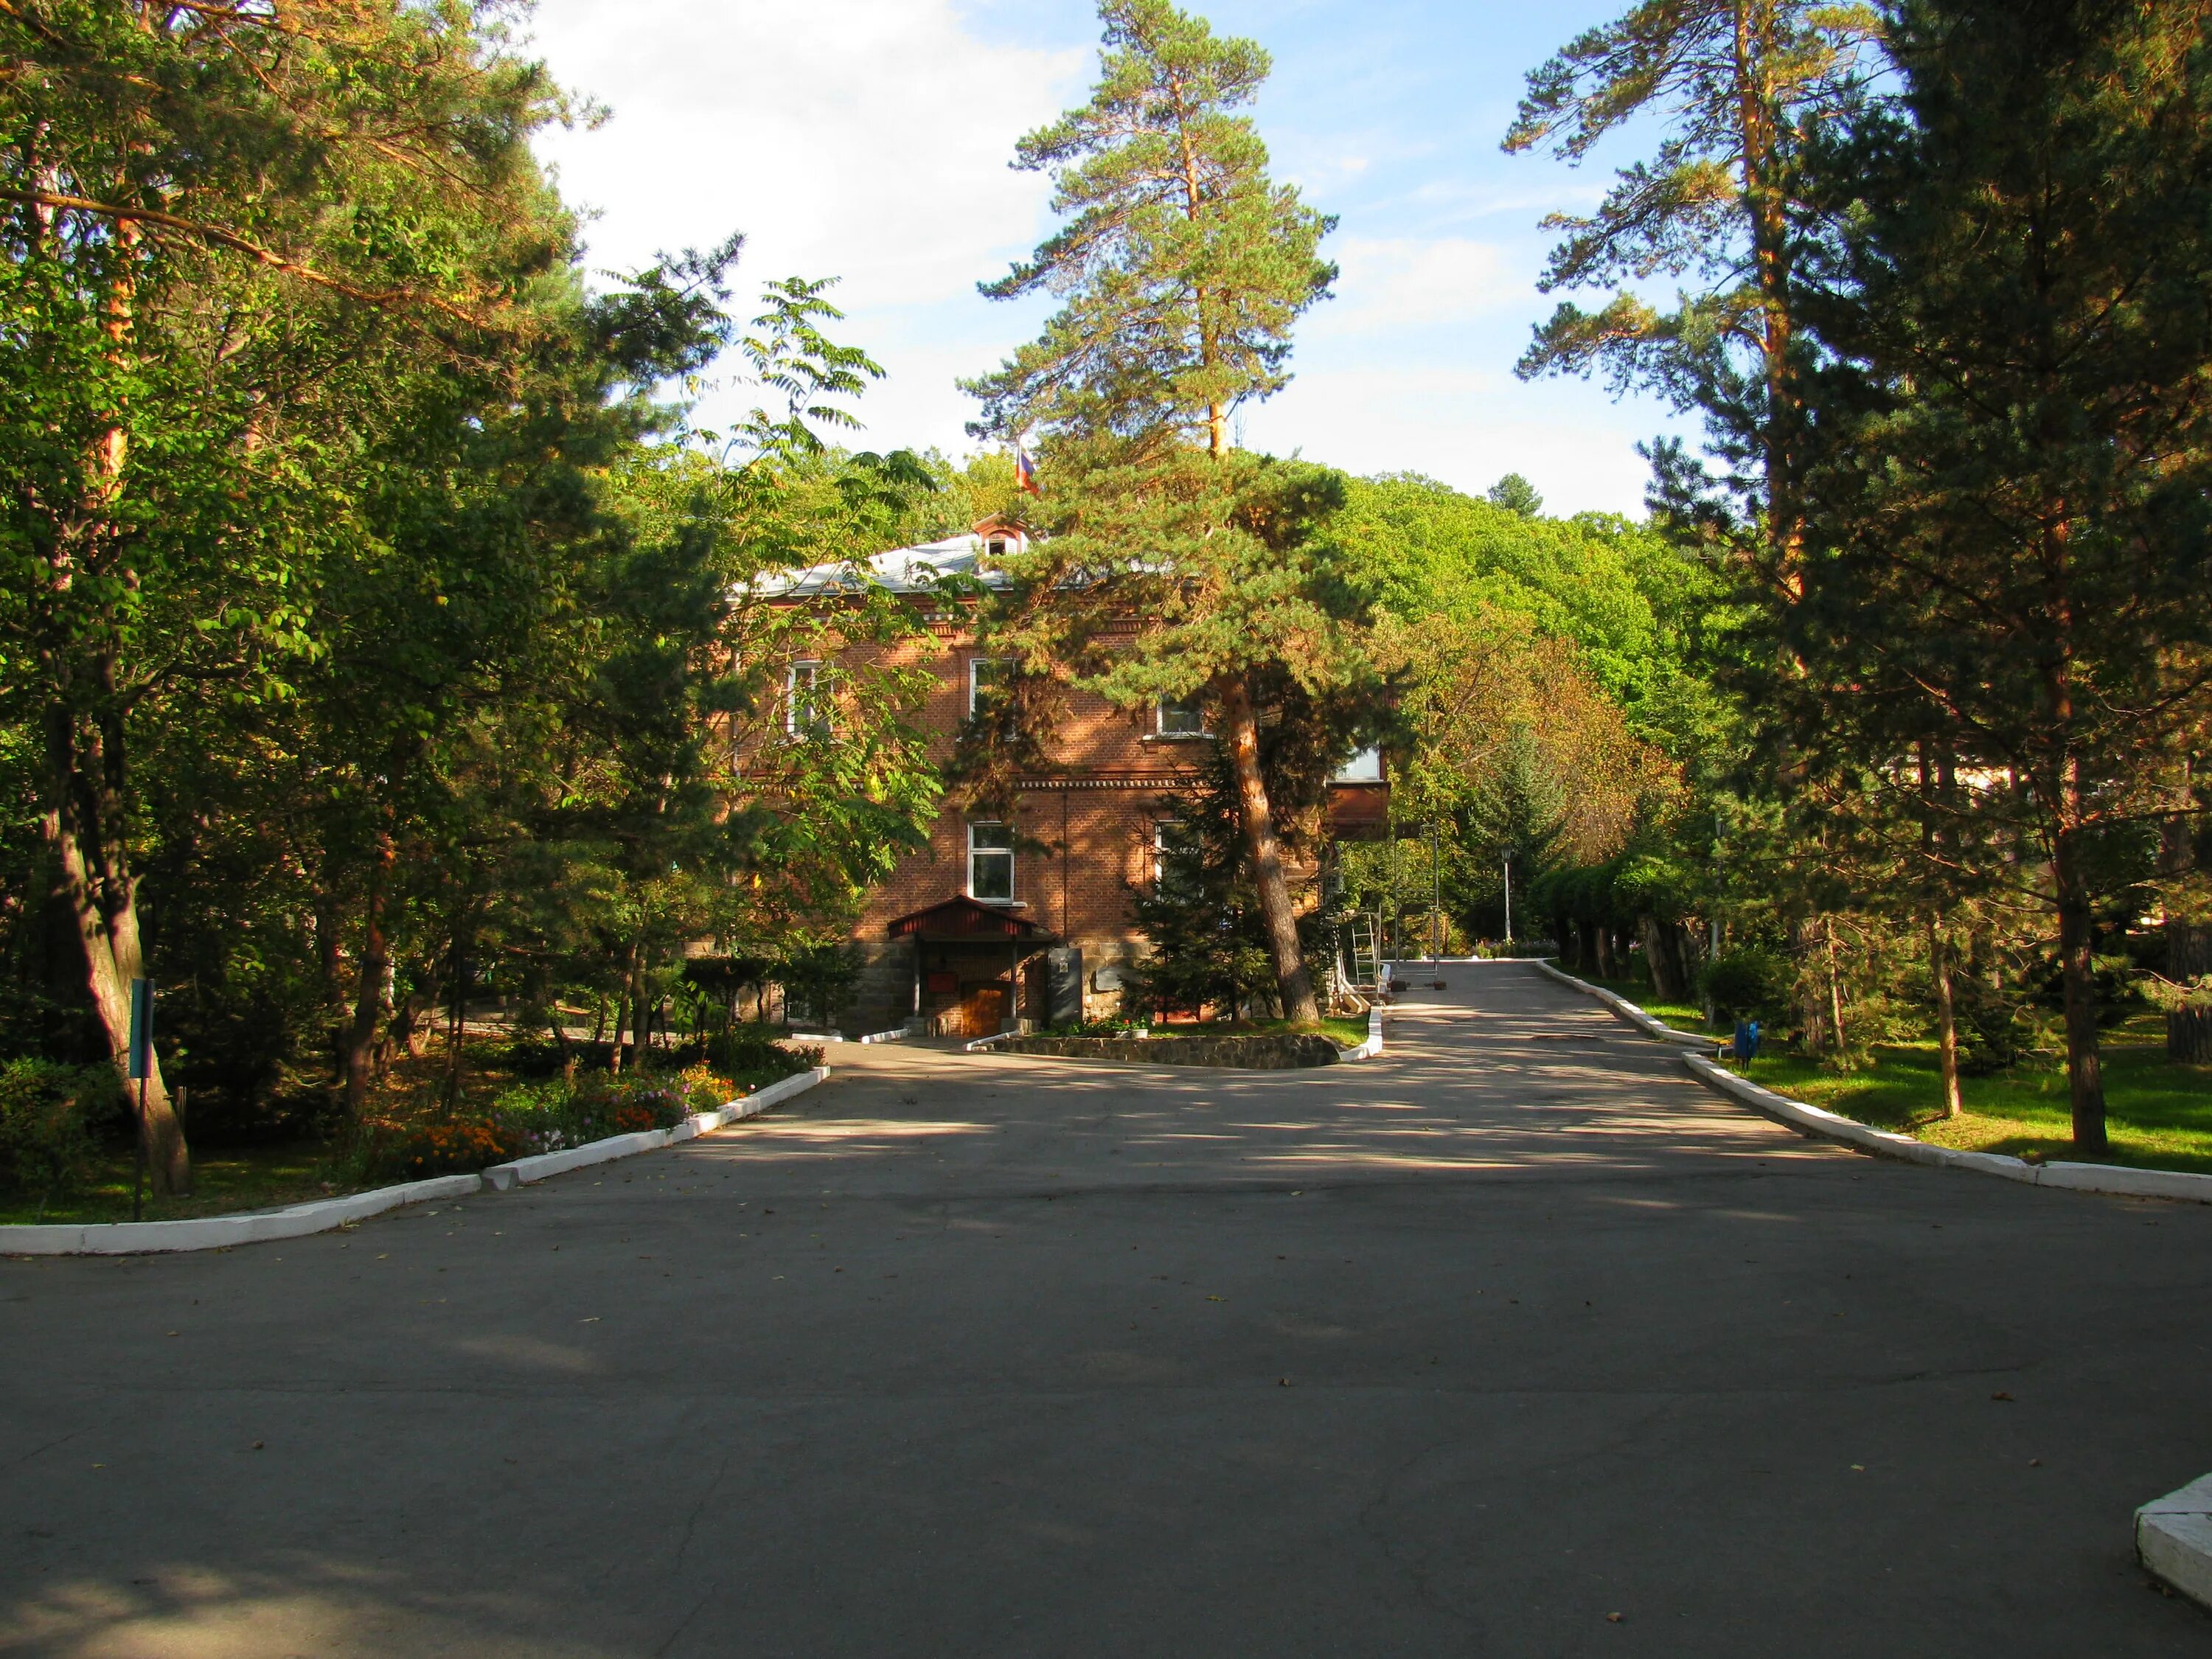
x: 1024, y: 470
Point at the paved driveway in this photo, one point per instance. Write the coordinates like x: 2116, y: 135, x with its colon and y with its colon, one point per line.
x: 1461, y: 1352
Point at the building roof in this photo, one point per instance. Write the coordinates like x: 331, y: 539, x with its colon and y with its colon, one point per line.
x: 930, y: 567
x: 961, y: 918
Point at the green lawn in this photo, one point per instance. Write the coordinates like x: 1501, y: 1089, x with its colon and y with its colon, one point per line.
x: 223, y: 1183
x: 1347, y: 1031
x: 2158, y: 1115
x: 1682, y: 1016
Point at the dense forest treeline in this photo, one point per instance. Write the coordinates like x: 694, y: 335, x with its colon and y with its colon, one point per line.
x: 376, y: 634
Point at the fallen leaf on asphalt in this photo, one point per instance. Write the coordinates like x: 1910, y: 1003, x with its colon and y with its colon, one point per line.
x: 593, y: 1320
x: 1858, y: 1468
x: 1616, y: 1617
x: 2035, y: 1462
x: 1282, y: 1382
x: 256, y: 1446
x: 2000, y: 1394
x: 1210, y: 1299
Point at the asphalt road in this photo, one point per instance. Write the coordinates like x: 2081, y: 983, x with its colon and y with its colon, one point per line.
x: 1461, y: 1352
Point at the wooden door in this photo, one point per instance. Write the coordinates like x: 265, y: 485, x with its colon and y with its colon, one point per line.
x: 983, y: 1008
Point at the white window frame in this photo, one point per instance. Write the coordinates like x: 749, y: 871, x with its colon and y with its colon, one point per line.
x: 974, y: 678
x: 1197, y: 710
x: 1007, y: 851
x: 817, y: 720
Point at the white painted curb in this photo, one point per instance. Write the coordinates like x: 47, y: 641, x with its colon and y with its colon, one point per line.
x: 505, y: 1177
x: 2174, y: 1539
x: 760, y: 1100
x: 899, y: 1035
x: 977, y: 1045
x: 220, y: 1232
x: 1373, y: 1046
x: 1622, y: 1006
x: 2109, y: 1178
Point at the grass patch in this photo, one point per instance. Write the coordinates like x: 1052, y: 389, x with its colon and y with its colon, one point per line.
x: 2158, y: 1115
x: 1346, y: 1031
x: 224, y: 1182
x: 231, y: 1181
x: 1682, y: 1016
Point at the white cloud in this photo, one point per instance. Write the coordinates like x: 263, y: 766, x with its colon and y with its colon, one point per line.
x: 1467, y: 427
x: 867, y: 139
x: 1404, y: 282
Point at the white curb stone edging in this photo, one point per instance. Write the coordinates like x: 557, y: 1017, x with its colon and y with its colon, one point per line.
x: 2112, y: 1179
x: 221, y: 1231
x: 1627, y: 1010
x: 2174, y: 1539
x: 504, y: 1177
x: 1373, y: 1046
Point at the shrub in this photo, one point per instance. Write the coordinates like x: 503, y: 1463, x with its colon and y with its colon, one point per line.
x: 1746, y: 984
x: 46, y: 1112
x: 418, y: 1149
x: 751, y: 1055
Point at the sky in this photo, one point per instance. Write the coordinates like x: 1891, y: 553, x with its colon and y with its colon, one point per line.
x: 869, y: 140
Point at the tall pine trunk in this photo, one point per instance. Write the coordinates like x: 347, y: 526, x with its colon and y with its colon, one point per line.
x: 1947, y: 1017
x: 1280, y: 919
x: 2085, y: 1078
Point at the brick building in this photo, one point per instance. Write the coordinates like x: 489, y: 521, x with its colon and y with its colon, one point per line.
x: 1026, y: 917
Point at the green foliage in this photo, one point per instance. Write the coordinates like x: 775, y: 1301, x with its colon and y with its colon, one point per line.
x: 1200, y: 915
x: 1746, y: 983
x: 1181, y: 266
x: 754, y: 1054
x: 47, y: 1111
x: 1515, y: 494
x: 403, y: 637
x: 1622, y: 593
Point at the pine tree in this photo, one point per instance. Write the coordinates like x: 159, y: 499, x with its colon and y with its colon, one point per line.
x: 1178, y: 566
x: 1738, y: 82
x: 2010, y: 532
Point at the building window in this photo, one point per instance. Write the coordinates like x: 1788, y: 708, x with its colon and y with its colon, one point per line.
x: 1177, y: 860
x: 805, y: 708
x: 987, y: 677
x: 996, y: 547
x: 1182, y: 717
x: 991, y: 862
x: 1366, y: 767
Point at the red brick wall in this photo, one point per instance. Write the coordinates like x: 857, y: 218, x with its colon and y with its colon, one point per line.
x: 1083, y: 840
x: 1083, y: 844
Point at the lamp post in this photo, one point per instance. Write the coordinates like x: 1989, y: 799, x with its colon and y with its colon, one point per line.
x: 1509, y: 901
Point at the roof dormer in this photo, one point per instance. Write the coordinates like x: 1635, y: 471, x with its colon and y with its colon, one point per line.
x: 997, y: 537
